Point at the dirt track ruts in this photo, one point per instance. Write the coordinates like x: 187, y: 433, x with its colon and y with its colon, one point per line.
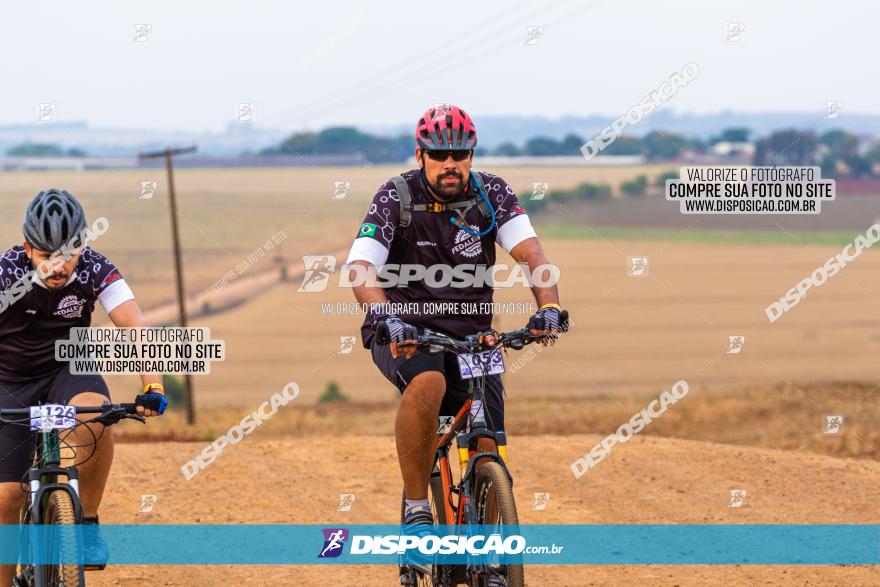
x: 648, y: 480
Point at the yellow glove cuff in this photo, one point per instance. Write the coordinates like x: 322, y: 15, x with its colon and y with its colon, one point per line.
x: 154, y: 387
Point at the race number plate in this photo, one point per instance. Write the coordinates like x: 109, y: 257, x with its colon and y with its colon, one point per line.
x: 52, y: 417
x: 471, y: 364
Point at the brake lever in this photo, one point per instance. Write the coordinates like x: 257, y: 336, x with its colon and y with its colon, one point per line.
x: 140, y: 419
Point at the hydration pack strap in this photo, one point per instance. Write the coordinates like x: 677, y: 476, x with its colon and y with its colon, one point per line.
x: 407, y: 207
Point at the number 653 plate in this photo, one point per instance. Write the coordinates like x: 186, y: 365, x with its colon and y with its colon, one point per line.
x: 470, y: 365
x: 52, y: 417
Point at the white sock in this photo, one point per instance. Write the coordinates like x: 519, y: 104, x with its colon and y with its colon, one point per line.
x: 417, y: 504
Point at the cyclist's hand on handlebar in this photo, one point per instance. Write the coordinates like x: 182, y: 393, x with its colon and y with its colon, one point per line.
x: 152, y: 402
x: 399, y: 332
x: 545, y: 322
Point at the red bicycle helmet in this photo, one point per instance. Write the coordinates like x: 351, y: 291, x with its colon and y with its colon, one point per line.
x: 446, y: 126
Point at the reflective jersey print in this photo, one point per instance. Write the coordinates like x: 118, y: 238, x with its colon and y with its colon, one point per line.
x: 431, y: 239
x: 33, y: 317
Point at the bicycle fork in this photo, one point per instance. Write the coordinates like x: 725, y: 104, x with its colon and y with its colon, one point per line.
x: 42, y: 480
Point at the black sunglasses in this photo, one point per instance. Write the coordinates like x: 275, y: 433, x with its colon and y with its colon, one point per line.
x: 443, y: 155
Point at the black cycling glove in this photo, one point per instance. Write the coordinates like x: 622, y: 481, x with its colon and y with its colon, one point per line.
x: 544, y: 319
x: 152, y: 401
x: 398, y: 330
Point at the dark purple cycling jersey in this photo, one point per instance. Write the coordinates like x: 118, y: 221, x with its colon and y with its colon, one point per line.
x: 431, y: 239
x: 33, y: 317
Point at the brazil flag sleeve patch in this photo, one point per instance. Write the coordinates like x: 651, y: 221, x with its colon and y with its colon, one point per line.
x: 367, y: 229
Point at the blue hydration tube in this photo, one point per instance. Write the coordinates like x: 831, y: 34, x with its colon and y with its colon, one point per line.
x: 461, y: 223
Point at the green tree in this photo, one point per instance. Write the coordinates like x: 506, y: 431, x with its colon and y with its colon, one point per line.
x: 668, y: 174
x: 635, y: 186
x: 571, y: 145
x: 342, y: 140
x: 332, y: 393
x: 843, y: 146
x: 298, y: 144
x: 841, y: 143
x: 662, y: 145
x: 624, y: 145
x: 507, y: 150
x: 346, y: 140
x: 873, y: 154
x: 787, y: 147
x: 542, y: 146
x: 733, y: 135
x: 35, y: 150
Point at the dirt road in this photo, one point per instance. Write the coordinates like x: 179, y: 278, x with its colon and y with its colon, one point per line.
x: 648, y: 480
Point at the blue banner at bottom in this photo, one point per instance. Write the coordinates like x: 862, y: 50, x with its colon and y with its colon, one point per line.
x: 576, y: 544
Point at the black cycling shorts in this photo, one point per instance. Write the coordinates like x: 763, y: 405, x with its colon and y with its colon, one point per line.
x: 400, y: 372
x: 17, y: 443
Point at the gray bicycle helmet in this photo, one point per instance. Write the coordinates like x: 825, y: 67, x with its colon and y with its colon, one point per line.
x: 52, y: 219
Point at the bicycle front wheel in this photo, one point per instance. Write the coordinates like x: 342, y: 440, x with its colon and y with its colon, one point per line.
x: 63, y: 542
x: 496, y: 507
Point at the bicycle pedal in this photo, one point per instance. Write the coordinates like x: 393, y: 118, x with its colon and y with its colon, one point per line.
x: 94, y: 567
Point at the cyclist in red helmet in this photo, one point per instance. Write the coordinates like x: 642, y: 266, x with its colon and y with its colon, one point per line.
x: 441, y: 214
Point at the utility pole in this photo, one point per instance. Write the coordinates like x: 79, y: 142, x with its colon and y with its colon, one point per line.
x: 168, y: 154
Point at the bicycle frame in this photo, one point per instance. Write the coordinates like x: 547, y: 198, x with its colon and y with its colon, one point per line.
x: 464, y: 511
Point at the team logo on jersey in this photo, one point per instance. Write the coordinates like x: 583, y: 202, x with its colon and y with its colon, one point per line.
x: 70, y: 307
x: 367, y: 229
x: 466, y: 244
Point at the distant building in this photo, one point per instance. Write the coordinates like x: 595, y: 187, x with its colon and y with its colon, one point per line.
x: 66, y: 163
x: 730, y: 149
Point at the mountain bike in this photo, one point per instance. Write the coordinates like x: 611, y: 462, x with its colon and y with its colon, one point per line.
x: 52, y: 510
x: 483, y: 495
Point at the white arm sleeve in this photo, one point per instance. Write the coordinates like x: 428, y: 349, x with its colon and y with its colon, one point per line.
x: 368, y: 249
x: 515, y: 231
x: 115, y: 294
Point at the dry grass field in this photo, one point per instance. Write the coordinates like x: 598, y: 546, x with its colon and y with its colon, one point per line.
x: 752, y: 419
x: 225, y: 214
x: 630, y: 334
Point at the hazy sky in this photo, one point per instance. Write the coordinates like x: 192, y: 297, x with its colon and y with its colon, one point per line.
x: 306, y: 65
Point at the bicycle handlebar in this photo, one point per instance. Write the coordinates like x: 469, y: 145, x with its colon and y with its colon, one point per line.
x: 515, y: 339
x: 110, y: 413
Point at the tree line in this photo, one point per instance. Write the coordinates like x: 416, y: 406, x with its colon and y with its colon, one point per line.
x: 837, y: 152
